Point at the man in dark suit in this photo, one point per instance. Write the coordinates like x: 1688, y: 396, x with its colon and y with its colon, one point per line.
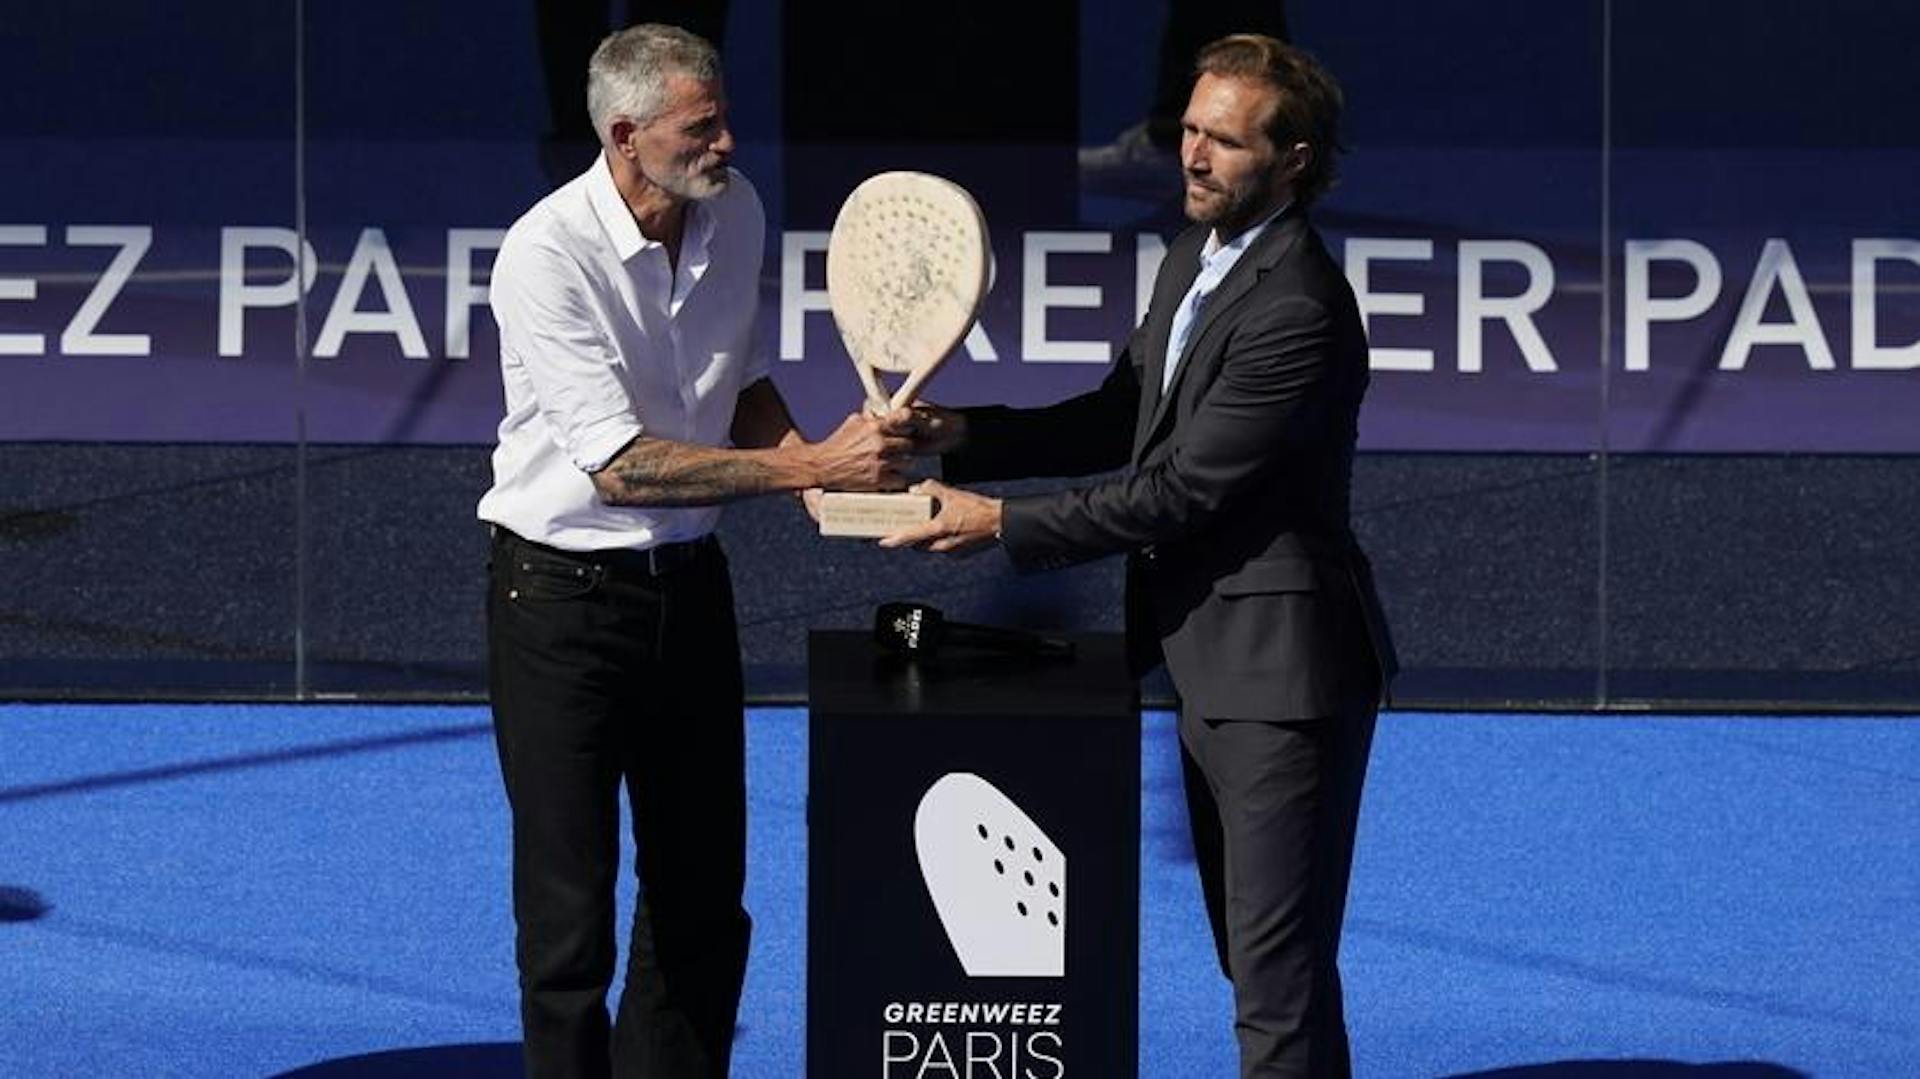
x: 1232, y: 415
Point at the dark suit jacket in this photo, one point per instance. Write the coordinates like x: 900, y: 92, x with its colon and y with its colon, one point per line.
x: 1232, y: 502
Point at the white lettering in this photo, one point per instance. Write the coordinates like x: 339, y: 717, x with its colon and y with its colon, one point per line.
x: 1868, y: 353
x: 1802, y: 327
x: 1516, y: 311
x: 22, y: 288
x: 463, y: 295
x: 937, y: 1048
x: 989, y: 1059
x: 1643, y: 309
x: 977, y: 344
x: 1059, y: 1069
x: 1037, y: 296
x: 236, y: 295
x: 371, y: 256
x: 1360, y: 255
x: 1148, y: 253
x: 79, y: 338
x: 888, y: 1057
x: 796, y: 299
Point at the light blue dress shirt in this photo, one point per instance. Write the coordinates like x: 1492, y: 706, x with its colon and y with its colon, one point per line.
x: 1216, y: 259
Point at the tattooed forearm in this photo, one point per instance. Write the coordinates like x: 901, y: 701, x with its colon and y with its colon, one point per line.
x: 658, y: 472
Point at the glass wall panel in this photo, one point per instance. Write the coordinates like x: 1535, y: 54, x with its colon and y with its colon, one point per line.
x: 147, y: 359
x: 424, y: 130
x: 1767, y: 399
x: 1469, y: 221
x: 1712, y: 202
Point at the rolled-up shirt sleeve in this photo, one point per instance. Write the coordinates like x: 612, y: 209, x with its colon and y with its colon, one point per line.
x: 550, y: 336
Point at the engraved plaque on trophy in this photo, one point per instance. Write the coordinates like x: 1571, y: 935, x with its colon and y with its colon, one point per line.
x: 907, y: 271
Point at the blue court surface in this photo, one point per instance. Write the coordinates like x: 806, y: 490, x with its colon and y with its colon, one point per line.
x: 321, y: 890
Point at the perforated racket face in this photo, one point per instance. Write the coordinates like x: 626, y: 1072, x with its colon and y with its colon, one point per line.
x: 906, y: 271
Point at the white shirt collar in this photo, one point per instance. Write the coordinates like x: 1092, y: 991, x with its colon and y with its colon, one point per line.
x: 1243, y: 241
x: 617, y: 217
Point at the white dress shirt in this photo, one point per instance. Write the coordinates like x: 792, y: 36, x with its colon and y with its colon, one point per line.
x: 1216, y: 260
x: 601, y: 340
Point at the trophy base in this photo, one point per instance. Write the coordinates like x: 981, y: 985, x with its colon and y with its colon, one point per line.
x: 870, y: 516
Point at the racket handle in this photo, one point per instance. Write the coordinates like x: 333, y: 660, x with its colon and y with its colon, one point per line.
x: 876, y: 394
x: 910, y: 389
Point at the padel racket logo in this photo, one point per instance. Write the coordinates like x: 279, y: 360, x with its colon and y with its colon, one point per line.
x: 997, y: 881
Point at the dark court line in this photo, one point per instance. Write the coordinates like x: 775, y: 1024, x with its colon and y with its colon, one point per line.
x: 184, y: 486
x: 207, y: 649
x: 160, y: 773
x: 109, y: 633
x: 1715, y: 996
x: 144, y: 940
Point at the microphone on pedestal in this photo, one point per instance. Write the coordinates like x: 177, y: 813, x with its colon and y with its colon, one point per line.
x: 918, y: 629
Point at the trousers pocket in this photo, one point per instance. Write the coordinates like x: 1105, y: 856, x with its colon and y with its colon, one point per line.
x: 533, y: 577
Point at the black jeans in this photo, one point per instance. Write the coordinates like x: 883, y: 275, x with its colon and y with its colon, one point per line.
x: 607, y: 669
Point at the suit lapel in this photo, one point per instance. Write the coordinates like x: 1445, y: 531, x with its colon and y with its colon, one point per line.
x: 1266, y: 253
x: 1182, y: 265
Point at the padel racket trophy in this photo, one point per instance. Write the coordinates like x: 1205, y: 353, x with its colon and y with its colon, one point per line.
x: 906, y: 274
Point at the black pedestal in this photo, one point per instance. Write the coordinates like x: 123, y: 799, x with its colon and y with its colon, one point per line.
x: 973, y: 863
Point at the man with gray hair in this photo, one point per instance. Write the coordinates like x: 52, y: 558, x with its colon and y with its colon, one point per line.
x: 636, y: 404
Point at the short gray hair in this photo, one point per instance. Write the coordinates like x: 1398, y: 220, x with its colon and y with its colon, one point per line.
x: 628, y: 73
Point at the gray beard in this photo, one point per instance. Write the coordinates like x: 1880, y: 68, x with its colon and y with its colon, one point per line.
x: 695, y: 187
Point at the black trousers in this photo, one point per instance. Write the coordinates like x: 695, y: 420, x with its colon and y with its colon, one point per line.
x: 610, y: 670
x: 1273, y: 807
